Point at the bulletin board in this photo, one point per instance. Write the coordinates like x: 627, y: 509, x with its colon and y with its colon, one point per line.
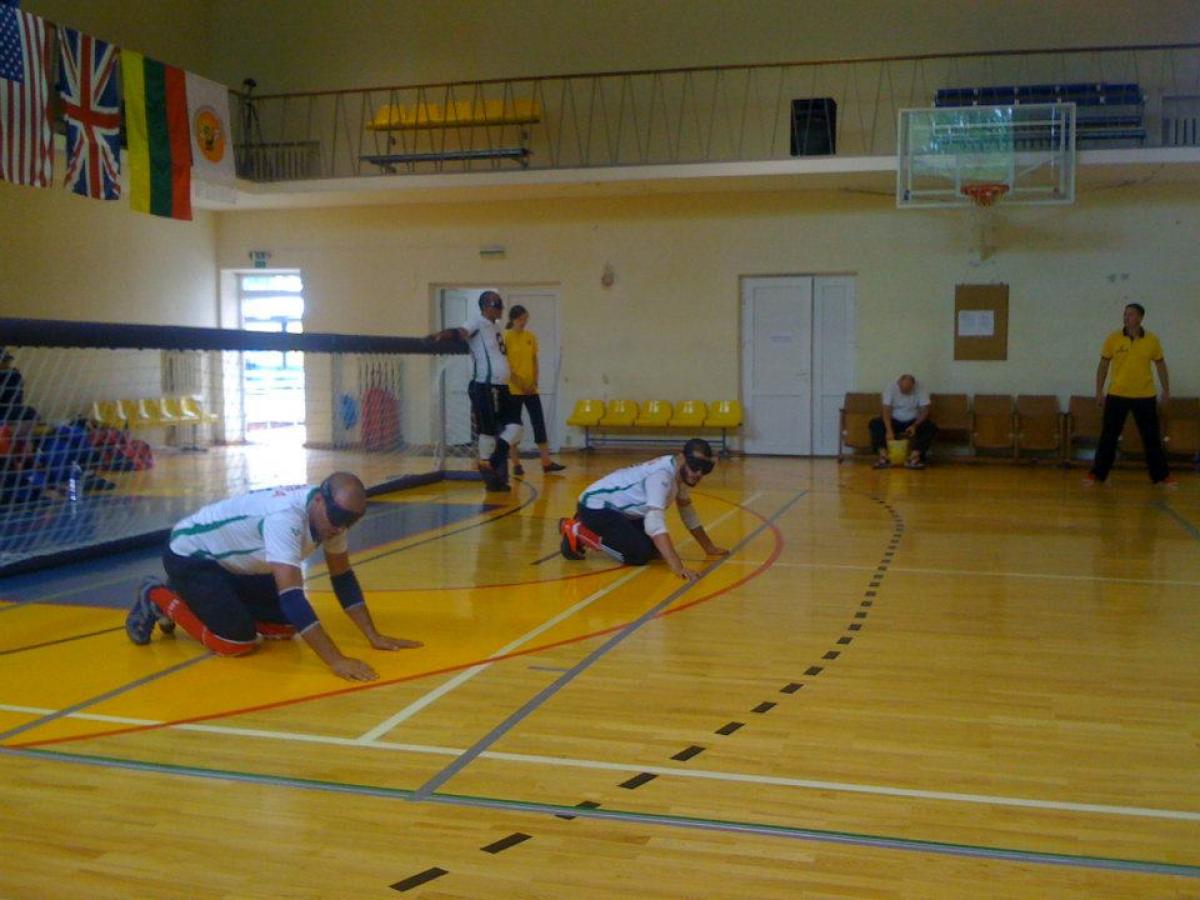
x: 981, y: 321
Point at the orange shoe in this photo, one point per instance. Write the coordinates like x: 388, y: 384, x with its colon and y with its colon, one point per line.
x: 570, y: 546
x: 1169, y: 483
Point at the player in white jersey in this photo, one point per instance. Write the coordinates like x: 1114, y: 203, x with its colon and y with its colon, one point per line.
x: 497, y: 416
x: 234, y: 574
x: 622, y: 513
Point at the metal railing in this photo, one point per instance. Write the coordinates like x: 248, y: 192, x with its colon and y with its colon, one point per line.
x: 668, y: 116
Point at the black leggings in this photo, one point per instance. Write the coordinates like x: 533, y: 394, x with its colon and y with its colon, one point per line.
x: 1145, y: 414
x: 537, y: 418
x: 227, y: 604
x: 619, y: 532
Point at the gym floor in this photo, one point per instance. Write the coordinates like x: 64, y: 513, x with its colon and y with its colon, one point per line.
x: 967, y: 679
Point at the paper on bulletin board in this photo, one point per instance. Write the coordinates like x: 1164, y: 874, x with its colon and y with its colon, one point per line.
x: 976, y: 323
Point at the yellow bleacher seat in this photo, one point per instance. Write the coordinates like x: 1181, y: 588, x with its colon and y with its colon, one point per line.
x: 107, y: 413
x: 724, y: 414
x: 689, y: 414
x: 192, y: 406
x: 620, y: 413
x: 586, y: 413
x: 458, y: 114
x: 135, y: 414
x: 654, y: 414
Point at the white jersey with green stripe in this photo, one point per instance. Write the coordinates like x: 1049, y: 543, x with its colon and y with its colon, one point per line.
x: 636, y: 490
x: 247, y: 533
x: 489, y: 364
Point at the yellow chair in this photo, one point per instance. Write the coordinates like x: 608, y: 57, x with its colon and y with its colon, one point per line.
x: 135, y: 414
x: 724, y: 414
x: 192, y: 406
x: 689, y: 414
x: 587, y: 415
x: 619, y: 414
x: 157, y: 407
x: 174, y: 407
x: 107, y: 413
x: 654, y: 414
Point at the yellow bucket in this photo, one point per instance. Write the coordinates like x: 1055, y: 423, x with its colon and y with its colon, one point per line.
x: 898, y: 452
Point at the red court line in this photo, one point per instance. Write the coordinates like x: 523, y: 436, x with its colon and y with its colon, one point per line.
x: 352, y: 689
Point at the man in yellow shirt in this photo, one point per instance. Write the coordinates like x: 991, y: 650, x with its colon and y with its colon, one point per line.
x: 1129, y: 352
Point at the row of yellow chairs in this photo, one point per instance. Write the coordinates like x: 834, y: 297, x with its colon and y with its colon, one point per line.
x: 153, y: 412
x: 597, y: 415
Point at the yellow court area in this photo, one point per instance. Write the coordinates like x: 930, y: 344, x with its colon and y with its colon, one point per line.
x: 902, y: 683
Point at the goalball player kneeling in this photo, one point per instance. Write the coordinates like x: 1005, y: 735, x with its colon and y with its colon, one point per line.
x: 234, y: 574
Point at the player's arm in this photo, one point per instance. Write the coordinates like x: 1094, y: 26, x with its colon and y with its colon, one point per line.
x: 1163, y: 379
x: 666, y: 549
x: 450, y: 334
x: 1101, y: 377
x: 885, y: 413
x: 687, y: 513
x: 350, y: 596
x: 289, y: 581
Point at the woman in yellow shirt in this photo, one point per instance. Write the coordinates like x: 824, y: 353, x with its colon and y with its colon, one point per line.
x: 521, y: 348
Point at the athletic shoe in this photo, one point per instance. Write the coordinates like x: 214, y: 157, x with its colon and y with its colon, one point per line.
x: 553, y: 467
x: 569, y: 547
x: 143, y: 615
x: 1169, y: 483
x: 518, y: 469
x: 882, y: 464
x: 914, y: 464
x: 495, y: 485
x: 1090, y: 480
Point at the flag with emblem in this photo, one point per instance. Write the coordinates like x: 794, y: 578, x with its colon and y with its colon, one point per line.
x: 213, y: 173
x: 156, y: 125
x: 26, y: 142
x: 88, y: 87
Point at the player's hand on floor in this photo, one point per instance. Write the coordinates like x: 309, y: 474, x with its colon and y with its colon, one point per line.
x: 688, y: 575
x: 383, y: 642
x: 354, y: 670
x: 714, y: 550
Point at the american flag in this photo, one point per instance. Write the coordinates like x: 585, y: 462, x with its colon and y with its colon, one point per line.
x: 26, y: 145
x: 89, y: 93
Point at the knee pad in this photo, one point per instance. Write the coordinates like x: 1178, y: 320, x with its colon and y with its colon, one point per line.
x: 512, y: 433
x: 487, y: 446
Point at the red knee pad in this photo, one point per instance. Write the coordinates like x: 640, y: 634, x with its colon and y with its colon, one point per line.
x: 174, y: 607
x: 275, y: 631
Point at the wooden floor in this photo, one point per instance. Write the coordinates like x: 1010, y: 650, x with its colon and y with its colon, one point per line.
x: 965, y: 681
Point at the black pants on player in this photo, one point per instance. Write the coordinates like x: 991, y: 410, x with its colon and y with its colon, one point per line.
x: 492, y: 408
x: 1145, y: 414
x: 921, y: 441
x: 228, y: 605
x: 537, y: 418
x: 619, y: 532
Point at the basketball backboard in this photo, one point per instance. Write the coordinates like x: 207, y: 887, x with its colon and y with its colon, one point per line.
x: 1028, y: 149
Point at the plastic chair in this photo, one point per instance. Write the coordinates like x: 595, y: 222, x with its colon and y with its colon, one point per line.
x: 994, y: 423
x: 952, y: 415
x: 858, y: 409
x: 1039, y: 423
x: 689, y: 414
x: 619, y: 413
x: 1181, y: 425
x: 724, y: 414
x: 135, y: 414
x: 107, y: 413
x: 1084, y: 421
x: 192, y: 405
x: 654, y: 414
x: 587, y: 415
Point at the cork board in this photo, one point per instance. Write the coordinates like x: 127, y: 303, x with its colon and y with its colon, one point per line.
x: 981, y: 321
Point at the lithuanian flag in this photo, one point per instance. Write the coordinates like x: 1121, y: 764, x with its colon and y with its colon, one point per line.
x: 156, y: 125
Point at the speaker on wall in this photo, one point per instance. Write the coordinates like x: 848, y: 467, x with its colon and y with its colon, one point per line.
x: 814, y: 127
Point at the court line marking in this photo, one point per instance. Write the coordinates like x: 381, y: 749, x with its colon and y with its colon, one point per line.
x: 976, y: 573
x: 725, y: 826
x: 1186, y: 525
x: 567, y: 677
x: 1108, y: 809
x: 467, y: 674
x: 383, y: 683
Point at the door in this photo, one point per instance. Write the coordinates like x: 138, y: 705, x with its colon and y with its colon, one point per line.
x: 777, y: 365
x: 798, y: 362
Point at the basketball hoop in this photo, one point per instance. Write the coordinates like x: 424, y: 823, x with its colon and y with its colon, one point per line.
x: 984, y: 193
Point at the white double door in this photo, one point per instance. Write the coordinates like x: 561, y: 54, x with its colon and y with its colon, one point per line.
x: 798, y: 362
x: 459, y: 304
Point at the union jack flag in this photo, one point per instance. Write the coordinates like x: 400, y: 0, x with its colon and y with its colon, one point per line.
x: 89, y: 93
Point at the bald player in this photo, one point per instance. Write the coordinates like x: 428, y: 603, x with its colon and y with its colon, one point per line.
x: 234, y: 574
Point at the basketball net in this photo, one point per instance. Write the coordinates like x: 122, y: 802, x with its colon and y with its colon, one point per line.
x: 984, y: 195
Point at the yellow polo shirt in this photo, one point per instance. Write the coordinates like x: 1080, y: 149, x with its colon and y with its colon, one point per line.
x: 521, y: 347
x: 1129, y: 373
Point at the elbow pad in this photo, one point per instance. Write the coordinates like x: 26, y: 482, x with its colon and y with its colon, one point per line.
x: 655, y: 524
x: 347, y: 589
x: 297, y: 609
x: 690, y: 518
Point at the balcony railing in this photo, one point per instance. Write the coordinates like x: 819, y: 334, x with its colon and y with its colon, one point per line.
x: 670, y: 116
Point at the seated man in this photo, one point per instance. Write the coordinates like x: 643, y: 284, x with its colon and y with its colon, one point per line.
x: 905, y: 415
x: 622, y: 513
x: 233, y: 571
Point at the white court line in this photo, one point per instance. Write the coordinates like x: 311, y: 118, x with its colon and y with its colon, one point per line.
x: 467, y: 674
x: 733, y: 777
x: 905, y: 570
